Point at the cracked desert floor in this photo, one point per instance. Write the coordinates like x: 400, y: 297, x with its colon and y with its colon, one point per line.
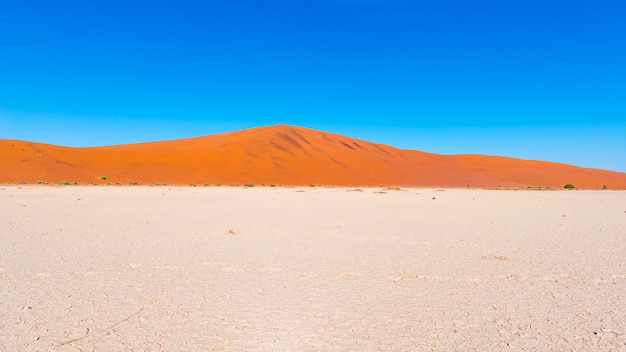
x: 310, y: 269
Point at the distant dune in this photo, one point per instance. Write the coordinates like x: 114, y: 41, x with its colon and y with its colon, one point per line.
x: 286, y: 155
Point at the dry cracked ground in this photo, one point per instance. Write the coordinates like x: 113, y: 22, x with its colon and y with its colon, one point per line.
x: 311, y: 269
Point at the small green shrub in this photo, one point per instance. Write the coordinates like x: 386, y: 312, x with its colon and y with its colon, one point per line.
x: 40, y: 182
x: 64, y: 183
x: 605, y: 187
x: 569, y: 186
x: 272, y: 185
x: 206, y: 184
x: 133, y: 183
x: 249, y: 185
x: 218, y: 184
x: 102, y: 178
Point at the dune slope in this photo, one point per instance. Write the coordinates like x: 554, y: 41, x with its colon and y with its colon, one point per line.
x: 287, y: 155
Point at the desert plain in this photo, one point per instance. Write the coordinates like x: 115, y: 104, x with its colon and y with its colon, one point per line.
x: 171, y: 268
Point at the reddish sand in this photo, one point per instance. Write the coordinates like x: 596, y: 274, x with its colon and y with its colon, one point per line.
x: 286, y: 155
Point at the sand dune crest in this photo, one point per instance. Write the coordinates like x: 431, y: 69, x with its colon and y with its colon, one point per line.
x: 283, y: 154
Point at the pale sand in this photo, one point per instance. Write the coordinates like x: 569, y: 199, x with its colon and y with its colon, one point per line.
x: 312, y: 269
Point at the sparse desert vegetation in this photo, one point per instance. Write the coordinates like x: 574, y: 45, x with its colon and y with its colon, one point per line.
x: 538, y: 187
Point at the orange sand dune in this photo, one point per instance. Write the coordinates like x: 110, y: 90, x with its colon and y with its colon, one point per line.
x: 287, y: 155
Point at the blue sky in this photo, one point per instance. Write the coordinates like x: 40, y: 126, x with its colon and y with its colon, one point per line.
x: 530, y: 79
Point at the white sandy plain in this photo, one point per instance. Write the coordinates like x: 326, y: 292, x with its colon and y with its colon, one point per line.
x: 310, y: 269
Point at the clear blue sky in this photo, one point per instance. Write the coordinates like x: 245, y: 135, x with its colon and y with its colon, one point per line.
x: 533, y: 79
